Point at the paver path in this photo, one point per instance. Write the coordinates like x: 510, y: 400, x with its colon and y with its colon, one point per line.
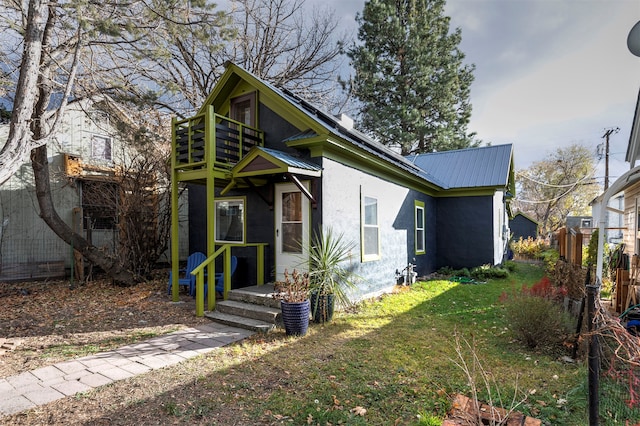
x: 46, y: 384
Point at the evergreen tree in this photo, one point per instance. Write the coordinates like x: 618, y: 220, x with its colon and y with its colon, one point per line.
x: 410, y: 78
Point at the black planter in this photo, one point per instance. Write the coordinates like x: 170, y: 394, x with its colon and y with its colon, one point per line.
x: 322, y: 307
x: 295, y: 316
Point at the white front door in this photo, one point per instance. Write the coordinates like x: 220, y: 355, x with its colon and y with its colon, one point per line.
x: 292, y: 229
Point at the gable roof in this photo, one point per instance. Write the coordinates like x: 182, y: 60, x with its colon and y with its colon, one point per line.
x: 488, y: 166
x: 315, y: 121
x: 260, y: 160
x: 526, y: 217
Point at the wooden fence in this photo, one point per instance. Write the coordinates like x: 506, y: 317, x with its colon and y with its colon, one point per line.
x: 570, y: 245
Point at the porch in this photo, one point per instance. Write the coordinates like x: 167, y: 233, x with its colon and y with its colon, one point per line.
x: 225, y: 155
x: 205, y: 148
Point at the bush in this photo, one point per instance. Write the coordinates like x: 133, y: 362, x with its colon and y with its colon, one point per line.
x: 550, y: 258
x: 528, y: 249
x: 486, y: 272
x: 510, y: 265
x: 536, y: 318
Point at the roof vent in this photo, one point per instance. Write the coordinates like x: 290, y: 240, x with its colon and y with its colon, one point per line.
x: 345, y: 121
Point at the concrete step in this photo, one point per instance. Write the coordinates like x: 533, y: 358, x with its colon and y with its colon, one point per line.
x: 257, y: 295
x: 248, y: 310
x: 240, y: 322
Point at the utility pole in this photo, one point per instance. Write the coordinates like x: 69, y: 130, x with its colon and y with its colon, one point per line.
x: 606, y: 135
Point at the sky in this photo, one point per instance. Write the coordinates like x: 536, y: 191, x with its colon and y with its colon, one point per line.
x: 548, y: 73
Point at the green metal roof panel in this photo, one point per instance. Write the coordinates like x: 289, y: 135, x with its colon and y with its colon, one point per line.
x: 290, y: 160
x: 487, y: 166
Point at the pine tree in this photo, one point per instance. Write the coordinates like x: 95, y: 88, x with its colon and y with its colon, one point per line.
x: 410, y: 78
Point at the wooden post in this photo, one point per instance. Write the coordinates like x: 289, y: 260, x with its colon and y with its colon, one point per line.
x: 175, y: 288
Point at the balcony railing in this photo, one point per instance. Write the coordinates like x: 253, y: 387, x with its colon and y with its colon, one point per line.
x: 211, y: 137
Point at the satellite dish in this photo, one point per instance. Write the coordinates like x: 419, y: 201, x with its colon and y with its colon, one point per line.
x: 633, y: 40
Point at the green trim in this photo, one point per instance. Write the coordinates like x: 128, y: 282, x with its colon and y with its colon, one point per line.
x: 419, y: 206
x: 363, y: 256
x: 280, y: 166
x: 242, y: 199
x: 235, y: 77
x: 352, y: 156
x: 175, y: 230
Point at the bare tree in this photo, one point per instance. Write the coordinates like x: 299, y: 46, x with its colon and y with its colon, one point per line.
x: 560, y: 185
x: 277, y: 40
x: 68, y: 51
x: 162, y: 53
x: 281, y: 42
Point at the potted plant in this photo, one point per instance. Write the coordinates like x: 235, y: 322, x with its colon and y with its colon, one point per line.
x: 330, y: 278
x: 294, y: 302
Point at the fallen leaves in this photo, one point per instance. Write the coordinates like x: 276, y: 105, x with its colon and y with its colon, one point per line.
x: 47, y: 315
x: 359, y: 411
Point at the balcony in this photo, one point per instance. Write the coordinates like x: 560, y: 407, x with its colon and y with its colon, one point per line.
x: 210, y: 141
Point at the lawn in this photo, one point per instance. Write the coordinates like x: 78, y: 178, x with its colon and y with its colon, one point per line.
x: 393, y: 360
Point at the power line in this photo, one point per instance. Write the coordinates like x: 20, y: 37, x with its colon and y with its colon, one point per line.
x: 573, y: 184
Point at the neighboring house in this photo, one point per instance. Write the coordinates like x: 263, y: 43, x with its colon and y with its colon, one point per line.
x: 523, y: 226
x: 629, y: 186
x: 84, y: 159
x: 265, y: 169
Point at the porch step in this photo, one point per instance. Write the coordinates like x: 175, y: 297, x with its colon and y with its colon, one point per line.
x: 240, y: 322
x: 257, y: 295
x: 251, y: 308
x: 248, y: 310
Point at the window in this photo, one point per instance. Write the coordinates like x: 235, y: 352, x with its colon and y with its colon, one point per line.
x: 419, y: 226
x: 230, y: 220
x: 100, y: 204
x: 370, y: 229
x: 243, y: 109
x: 292, y: 224
x: 101, y: 147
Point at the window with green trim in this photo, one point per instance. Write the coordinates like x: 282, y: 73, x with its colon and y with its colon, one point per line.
x: 419, y: 227
x: 230, y: 220
x: 370, y: 229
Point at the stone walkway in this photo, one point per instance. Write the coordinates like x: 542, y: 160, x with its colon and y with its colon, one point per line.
x: 46, y: 384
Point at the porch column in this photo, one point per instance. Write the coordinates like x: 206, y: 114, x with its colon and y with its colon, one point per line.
x: 175, y: 259
x: 210, y: 146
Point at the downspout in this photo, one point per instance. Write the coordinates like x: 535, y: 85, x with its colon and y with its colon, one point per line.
x: 621, y: 183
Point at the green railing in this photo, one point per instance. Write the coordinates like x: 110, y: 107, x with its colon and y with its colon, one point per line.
x: 229, y: 139
x: 208, y: 266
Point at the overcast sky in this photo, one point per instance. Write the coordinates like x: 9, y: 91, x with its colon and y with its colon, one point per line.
x: 549, y: 73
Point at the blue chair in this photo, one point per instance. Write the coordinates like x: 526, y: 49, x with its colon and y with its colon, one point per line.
x: 188, y: 280
x: 219, y: 280
x: 220, y: 276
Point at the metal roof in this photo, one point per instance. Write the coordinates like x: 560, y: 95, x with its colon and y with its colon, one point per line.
x: 466, y: 168
x: 486, y: 166
x: 355, y: 137
x: 289, y: 160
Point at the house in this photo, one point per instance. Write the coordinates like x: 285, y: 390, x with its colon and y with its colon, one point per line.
x: 265, y: 169
x: 523, y: 226
x: 86, y: 158
x: 627, y: 189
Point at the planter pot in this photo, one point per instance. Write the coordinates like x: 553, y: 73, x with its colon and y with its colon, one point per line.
x: 322, y: 307
x: 295, y: 316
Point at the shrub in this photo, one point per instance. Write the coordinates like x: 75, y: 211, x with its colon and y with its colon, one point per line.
x: 536, y: 318
x: 486, y: 272
x: 529, y: 248
x: 550, y: 258
x: 510, y: 265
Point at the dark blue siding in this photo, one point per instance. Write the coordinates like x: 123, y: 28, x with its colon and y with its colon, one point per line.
x: 464, y: 232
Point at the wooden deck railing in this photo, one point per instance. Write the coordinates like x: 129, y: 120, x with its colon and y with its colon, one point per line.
x: 229, y: 139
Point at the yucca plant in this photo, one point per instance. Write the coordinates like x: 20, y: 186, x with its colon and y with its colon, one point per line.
x: 329, y: 273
